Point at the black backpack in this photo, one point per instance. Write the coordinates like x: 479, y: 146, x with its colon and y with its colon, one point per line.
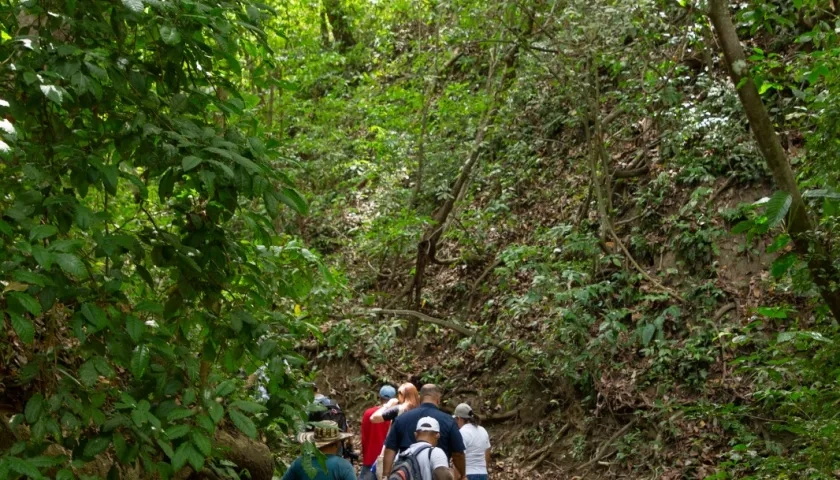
x: 407, y: 467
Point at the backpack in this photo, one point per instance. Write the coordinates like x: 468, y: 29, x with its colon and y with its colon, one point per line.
x: 331, y: 412
x: 407, y: 467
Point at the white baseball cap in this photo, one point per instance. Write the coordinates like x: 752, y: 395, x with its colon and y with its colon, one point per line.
x: 428, y: 424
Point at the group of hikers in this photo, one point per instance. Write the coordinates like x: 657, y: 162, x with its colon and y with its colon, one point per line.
x: 406, y: 437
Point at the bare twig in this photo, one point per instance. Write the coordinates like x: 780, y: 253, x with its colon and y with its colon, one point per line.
x: 601, y: 452
x: 544, y: 452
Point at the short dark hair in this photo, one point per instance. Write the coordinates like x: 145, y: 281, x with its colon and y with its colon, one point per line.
x: 430, y: 390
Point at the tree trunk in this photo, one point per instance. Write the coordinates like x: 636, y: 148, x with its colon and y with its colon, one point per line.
x: 427, y: 247
x: 342, y: 33
x: 799, y: 224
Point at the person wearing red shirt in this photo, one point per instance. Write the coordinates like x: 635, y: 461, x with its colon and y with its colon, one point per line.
x: 373, y: 435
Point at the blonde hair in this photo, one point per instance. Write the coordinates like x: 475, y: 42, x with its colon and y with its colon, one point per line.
x: 407, y: 393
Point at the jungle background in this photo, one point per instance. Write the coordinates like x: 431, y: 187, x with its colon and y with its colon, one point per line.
x: 609, y: 226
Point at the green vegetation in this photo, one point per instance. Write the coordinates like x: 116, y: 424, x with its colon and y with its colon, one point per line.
x: 627, y: 208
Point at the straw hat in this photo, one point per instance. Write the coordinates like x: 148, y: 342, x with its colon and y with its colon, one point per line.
x: 325, y: 433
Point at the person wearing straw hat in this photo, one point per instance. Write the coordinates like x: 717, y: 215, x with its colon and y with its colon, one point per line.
x: 327, y: 437
x: 476, y: 442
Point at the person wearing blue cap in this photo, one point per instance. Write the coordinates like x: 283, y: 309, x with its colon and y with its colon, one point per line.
x: 373, y: 434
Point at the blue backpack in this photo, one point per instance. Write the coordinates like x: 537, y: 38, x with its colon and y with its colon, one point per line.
x: 407, y: 467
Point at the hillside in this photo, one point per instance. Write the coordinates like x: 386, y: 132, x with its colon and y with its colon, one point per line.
x: 608, y: 226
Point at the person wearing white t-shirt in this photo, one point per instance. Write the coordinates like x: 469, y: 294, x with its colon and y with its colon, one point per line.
x: 432, y: 460
x: 476, y: 441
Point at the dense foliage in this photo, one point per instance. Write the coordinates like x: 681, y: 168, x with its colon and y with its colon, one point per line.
x: 573, y: 184
x: 141, y: 269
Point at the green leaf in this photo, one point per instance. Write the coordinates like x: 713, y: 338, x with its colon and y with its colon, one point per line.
x: 23, y: 327
x: 647, y: 333
x: 293, y: 199
x: 55, y: 94
x: 246, y: 406
x: 177, y: 431
x: 64, y: 474
x: 34, y: 408
x: 225, y: 388
x: 195, y: 458
x: 139, y: 360
x: 777, y: 208
x: 41, y: 232
x: 23, y: 467
x: 181, y: 456
x: 134, y: 5
x: 782, y: 264
x: 202, y: 443
x: 71, y: 264
x: 215, y: 410
x: 179, y: 413
x: 243, y: 423
x: 95, y: 315
x: 88, y: 374
x: 169, y: 35
x: 779, y: 243
x: 103, y: 367
x: 26, y: 301
x: 135, y: 327
x: 190, y: 162
x: 96, y: 445
x: 772, y: 312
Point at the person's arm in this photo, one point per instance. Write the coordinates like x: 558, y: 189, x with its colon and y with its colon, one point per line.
x: 460, y: 462
x: 456, y: 446
x: 379, y: 415
x: 487, y: 458
x: 442, y: 473
x: 388, y: 462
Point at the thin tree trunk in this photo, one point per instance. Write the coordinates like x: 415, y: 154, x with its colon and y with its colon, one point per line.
x: 799, y: 224
x: 427, y: 247
x: 342, y: 33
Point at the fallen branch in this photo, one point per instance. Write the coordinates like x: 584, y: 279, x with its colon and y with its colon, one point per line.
x: 728, y: 183
x: 502, y: 417
x: 642, y: 271
x: 544, y: 452
x: 601, y: 453
x: 723, y: 311
x: 630, y: 173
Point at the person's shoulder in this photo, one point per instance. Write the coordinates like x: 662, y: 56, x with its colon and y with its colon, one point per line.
x: 369, y: 412
x: 339, y: 462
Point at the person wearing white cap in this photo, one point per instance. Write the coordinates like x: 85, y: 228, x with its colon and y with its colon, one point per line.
x: 431, y: 461
x: 476, y: 442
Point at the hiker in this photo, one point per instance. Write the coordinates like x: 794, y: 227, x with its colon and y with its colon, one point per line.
x: 373, y: 435
x: 327, y: 437
x: 476, y: 442
x: 327, y: 409
x: 423, y: 460
x: 401, y: 436
x: 407, y: 399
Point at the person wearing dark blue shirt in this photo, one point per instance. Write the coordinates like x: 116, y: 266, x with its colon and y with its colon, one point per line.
x: 401, y: 435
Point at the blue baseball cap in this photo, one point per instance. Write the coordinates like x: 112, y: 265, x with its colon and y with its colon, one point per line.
x: 387, y: 392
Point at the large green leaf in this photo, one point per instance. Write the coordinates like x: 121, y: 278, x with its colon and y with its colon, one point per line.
x: 26, y: 301
x: 71, y: 264
x: 777, y: 208
x: 23, y: 327
x: 243, y: 423
x: 169, y: 35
